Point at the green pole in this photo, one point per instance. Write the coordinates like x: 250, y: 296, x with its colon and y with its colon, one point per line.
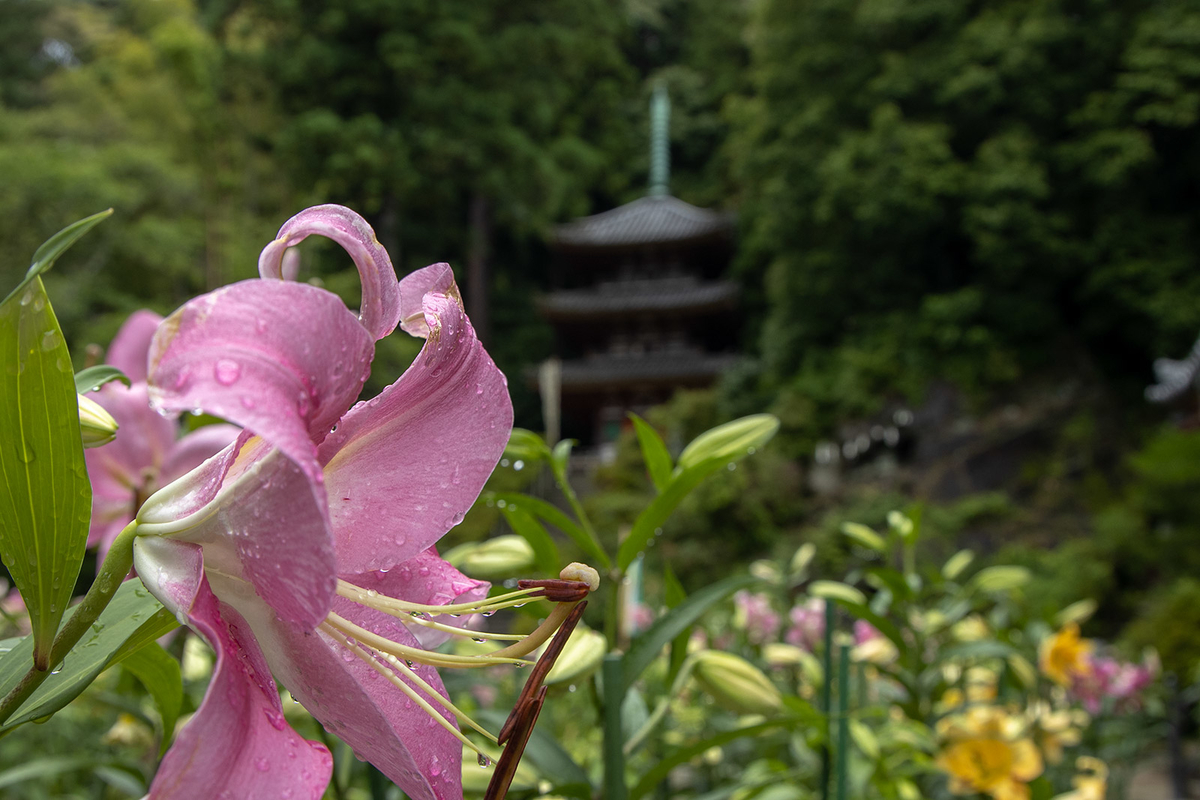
x: 843, y: 745
x: 613, y: 674
x: 827, y: 696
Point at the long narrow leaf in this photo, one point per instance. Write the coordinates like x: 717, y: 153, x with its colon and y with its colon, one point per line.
x: 554, y: 516
x: 124, y: 618
x: 654, y: 451
x: 159, y: 673
x: 45, y: 496
x: 660, y: 509
x: 45, y: 256
x: 646, y: 647
x: 544, y: 550
x: 87, y: 380
x: 658, y: 773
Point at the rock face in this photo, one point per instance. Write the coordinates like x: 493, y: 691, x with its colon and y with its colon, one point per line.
x: 942, y: 449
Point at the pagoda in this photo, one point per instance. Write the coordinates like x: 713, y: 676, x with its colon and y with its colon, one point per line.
x: 639, y: 307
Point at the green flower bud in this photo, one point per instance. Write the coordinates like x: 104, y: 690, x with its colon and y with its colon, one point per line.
x: 579, y: 658
x: 96, y: 424
x: 736, y: 684
x: 494, y: 559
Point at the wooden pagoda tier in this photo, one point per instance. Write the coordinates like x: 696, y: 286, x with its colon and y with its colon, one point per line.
x: 639, y: 310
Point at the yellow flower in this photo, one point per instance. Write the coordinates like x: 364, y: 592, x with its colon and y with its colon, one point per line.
x: 1064, y: 655
x: 1091, y: 784
x: 987, y: 751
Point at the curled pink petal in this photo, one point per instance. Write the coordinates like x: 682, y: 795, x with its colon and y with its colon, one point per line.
x: 380, y: 293
x: 240, y: 353
x: 238, y: 745
x: 437, y: 278
x: 131, y: 345
x: 403, y: 468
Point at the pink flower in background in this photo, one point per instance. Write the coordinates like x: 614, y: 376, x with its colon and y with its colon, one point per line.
x: 147, y: 452
x: 808, y: 624
x: 292, y: 549
x: 865, y: 632
x: 641, y: 617
x: 1109, y: 678
x: 753, y: 612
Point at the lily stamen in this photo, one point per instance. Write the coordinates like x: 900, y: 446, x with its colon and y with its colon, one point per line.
x: 402, y: 609
x: 412, y: 693
x: 395, y: 661
x: 348, y: 629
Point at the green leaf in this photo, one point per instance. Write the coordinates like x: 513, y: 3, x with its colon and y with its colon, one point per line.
x: 559, y: 458
x: 730, y: 441
x: 551, y: 514
x: 673, y: 596
x: 545, y: 552
x: 646, y: 647
x: 654, y: 451
x: 658, y: 773
x: 707, y: 453
x: 45, y: 496
x: 43, y: 768
x: 159, y: 624
x: 660, y: 509
x: 55, y: 246
x: 125, y: 618
x: 159, y: 673
x: 92, y: 378
x: 526, y: 446
x: 893, y: 580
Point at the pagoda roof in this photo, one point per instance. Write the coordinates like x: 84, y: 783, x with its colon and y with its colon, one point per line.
x: 664, y: 367
x: 664, y: 294
x: 656, y: 219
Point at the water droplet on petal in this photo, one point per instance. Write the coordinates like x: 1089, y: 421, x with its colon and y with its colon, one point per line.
x: 261, y: 764
x: 227, y: 371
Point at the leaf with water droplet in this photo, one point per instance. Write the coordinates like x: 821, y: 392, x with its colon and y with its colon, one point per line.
x: 122, y: 633
x: 45, y: 499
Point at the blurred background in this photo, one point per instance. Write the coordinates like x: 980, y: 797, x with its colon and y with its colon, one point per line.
x: 958, y: 235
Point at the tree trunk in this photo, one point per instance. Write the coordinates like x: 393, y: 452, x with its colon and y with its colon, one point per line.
x: 478, y: 275
x: 388, y: 230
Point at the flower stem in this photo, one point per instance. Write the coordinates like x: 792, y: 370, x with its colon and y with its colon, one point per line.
x: 112, y: 572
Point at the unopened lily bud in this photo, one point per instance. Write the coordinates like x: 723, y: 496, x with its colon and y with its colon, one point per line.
x: 495, y: 559
x: 96, y: 424
x: 579, y: 658
x: 736, y: 684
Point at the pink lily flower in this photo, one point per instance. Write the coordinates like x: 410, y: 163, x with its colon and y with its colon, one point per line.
x: 305, y: 545
x: 147, y: 452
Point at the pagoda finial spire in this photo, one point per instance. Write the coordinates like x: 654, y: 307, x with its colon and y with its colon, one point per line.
x: 660, y: 140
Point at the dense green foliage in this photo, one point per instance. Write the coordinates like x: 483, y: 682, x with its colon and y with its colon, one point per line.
x: 968, y: 190
x: 977, y: 193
